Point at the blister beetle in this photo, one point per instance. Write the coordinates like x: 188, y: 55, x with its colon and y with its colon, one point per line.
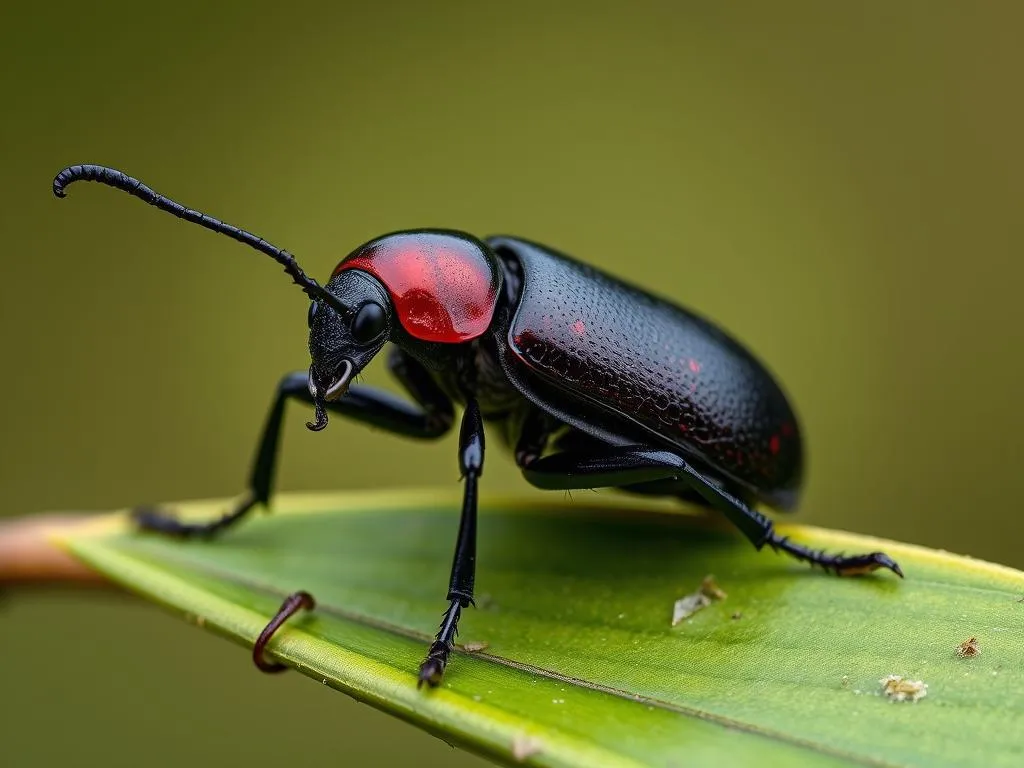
x: 592, y: 382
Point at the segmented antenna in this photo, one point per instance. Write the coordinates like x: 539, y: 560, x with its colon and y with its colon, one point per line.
x: 114, y: 178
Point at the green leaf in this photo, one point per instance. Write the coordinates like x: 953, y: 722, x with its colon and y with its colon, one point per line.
x: 582, y: 666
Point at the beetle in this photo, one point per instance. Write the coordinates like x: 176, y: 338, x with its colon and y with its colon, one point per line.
x: 589, y: 380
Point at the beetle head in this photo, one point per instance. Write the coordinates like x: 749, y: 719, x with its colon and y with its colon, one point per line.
x: 345, y: 335
x: 441, y: 286
x: 350, y: 317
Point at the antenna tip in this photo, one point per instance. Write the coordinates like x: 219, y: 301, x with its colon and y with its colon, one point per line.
x: 60, y: 181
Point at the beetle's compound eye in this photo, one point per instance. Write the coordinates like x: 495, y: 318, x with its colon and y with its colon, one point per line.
x: 313, y: 307
x: 369, y: 322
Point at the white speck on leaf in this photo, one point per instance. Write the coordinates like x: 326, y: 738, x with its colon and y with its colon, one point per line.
x: 524, y: 746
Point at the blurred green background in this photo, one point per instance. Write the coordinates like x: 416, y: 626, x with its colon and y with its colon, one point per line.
x: 838, y: 186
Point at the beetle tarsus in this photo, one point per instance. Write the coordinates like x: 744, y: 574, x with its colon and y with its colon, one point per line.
x: 840, y: 565
x: 291, y: 605
x: 158, y: 520
x: 432, y: 668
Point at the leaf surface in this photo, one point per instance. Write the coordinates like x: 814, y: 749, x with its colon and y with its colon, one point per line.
x: 572, y: 658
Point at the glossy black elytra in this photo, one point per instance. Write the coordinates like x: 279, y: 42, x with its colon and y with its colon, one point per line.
x: 591, y: 381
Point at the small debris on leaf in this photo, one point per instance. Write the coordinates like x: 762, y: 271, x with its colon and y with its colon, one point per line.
x: 968, y: 648
x: 474, y: 646
x: 688, y: 605
x: 524, y: 746
x: 737, y: 615
x: 898, y: 688
x: 711, y: 589
x: 845, y: 682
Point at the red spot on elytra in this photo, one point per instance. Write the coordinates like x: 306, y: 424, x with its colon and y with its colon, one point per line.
x: 694, y: 365
x: 579, y: 328
x: 775, y: 445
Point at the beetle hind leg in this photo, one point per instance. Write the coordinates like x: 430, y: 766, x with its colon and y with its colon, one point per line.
x: 841, y: 565
x: 630, y: 466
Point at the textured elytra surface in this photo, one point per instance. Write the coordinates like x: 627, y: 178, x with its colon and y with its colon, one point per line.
x: 668, y: 370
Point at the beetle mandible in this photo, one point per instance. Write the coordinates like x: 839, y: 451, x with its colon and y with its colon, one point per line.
x: 592, y: 382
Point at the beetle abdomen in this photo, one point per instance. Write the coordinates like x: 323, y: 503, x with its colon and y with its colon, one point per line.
x: 655, y: 364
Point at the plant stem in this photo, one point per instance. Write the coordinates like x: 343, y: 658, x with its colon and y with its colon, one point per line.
x: 28, y: 554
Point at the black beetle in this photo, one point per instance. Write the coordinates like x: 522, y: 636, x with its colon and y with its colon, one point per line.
x: 593, y: 383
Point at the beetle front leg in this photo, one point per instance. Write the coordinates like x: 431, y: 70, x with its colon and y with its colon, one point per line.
x: 429, y: 417
x: 460, y: 586
x: 629, y: 465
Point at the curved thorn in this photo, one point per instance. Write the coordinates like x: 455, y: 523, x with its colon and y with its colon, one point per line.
x: 291, y: 605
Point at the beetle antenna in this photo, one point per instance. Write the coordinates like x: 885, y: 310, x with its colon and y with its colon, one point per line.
x: 114, y: 178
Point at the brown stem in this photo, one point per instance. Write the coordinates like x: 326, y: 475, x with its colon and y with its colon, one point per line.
x: 28, y: 554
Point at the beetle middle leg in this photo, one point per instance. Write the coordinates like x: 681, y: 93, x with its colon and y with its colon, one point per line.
x: 463, y: 575
x: 621, y: 466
